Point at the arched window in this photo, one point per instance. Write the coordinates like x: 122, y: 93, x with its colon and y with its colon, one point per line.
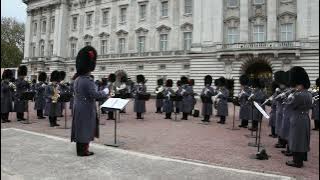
x: 41, y: 44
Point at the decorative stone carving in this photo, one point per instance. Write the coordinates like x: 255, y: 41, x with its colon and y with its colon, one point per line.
x: 187, y: 27
x: 141, y: 31
x: 104, y: 35
x: 122, y: 33
x: 232, y: 21
x: 287, y: 17
x: 258, y: 20
x: 163, y: 29
x: 87, y: 37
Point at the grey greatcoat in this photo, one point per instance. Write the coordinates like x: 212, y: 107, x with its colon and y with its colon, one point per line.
x: 187, y: 99
x: 51, y: 109
x: 85, y: 124
x: 40, y: 100
x: 207, y: 94
x: 222, y: 102
x: 258, y: 96
x: 178, y: 104
x: 167, y: 102
x: 285, y: 126
x: 159, y: 101
x: 315, y: 108
x: 6, y: 97
x: 63, y: 88
x: 273, y: 112
x: 139, y: 105
x: 21, y: 105
x: 299, y: 135
x: 72, y: 98
x: 245, y: 105
x: 279, y: 114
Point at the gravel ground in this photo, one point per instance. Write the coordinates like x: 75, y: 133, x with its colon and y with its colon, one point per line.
x: 212, y: 144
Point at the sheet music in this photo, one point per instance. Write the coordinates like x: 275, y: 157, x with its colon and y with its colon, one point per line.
x: 115, y: 103
x: 261, y: 110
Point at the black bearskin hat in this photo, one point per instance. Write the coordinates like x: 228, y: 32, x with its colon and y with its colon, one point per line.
x: 7, y: 74
x: 55, y: 76
x: 191, y: 82
x: 140, y: 78
x: 104, y: 81
x: 160, y: 82
x: 222, y: 81
x: 123, y: 79
x: 22, y: 71
x: 112, y: 77
x: 207, y: 80
x: 184, y: 80
x: 75, y: 76
x: 169, y: 83
x: 317, y: 82
x: 178, y: 83
x: 256, y: 83
x: 216, y: 82
x: 42, y: 76
x: 244, y: 80
x: 281, y: 77
x: 86, y: 60
x: 62, y: 75
x: 34, y: 81
x: 299, y: 76
x: 274, y: 86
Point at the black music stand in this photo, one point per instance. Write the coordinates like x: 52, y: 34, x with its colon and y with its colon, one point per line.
x: 117, y: 105
x: 251, y: 135
x: 176, y: 99
x: 28, y: 96
x: 64, y: 98
x: 235, y: 103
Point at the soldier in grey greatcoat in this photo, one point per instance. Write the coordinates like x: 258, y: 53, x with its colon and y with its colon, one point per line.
x: 85, y: 124
x: 273, y: 104
x: 63, y: 88
x: 206, y: 97
x: 187, y: 99
x: 315, y: 107
x: 21, y: 105
x: 281, y: 78
x: 178, y: 104
x: 168, y: 107
x: 194, y: 101
x: 52, y: 107
x: 40, y: 100
x: 222, y: 100
x: 300, y: 102
x: 139, y: 92
x: 72, y: 91
x: 258, y: 96
x: 112, y: 88
x: 7, y: 91
x: 245, y: 105
x: 159, y: 96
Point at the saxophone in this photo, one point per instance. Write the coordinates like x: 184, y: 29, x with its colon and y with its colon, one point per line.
x: 112, y: 93
x: 56, y: 94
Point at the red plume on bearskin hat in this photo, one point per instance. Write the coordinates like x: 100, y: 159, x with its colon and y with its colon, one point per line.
x: 86, y: 60
x: 7, y: 74
x: 22, y: 71
x: 42, y: 76
x: 299, y: 76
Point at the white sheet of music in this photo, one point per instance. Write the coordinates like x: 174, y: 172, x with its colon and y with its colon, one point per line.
x: 115, y: 103
x: 261, y: 110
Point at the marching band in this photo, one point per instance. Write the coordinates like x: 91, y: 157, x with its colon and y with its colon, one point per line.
x: 289, y: 116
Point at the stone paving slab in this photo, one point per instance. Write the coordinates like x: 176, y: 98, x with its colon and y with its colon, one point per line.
x: 28, y: 155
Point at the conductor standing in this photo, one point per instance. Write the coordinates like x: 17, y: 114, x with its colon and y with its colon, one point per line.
x: 85, y: 122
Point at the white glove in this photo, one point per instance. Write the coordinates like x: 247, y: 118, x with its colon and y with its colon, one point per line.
x: 106, y: 90
x: 290, y: 96
x: 43, y: 85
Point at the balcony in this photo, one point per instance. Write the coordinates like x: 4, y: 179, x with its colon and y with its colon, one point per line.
x: 145, y: 54
x: 259, y: 45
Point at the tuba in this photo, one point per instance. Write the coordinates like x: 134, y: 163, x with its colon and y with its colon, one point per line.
x: 56, y: 94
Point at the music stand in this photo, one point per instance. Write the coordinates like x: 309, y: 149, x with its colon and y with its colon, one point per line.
x: 117, y: 105
x: 64, y: 98
x: 28, y: 96
x: 251, y: 134
x: 235, y: 102
x: 176, y: 99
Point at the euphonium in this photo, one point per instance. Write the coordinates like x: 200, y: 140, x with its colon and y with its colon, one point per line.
x: 56, y: 94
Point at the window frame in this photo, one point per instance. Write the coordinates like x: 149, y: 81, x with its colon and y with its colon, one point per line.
x: 187, y: 42
x: 52, y: 24
x: 104, y: 46
x: 162, y: 10
x: 105, y: 17
x: 121, y: 45
x: 42, y: 48
x: 162, y: 41
x: 35, y: 28
x: 186, y: 7
x: 43, y: 26
x: 89, y: 25
x: 286, y: 32
x: 254, y: 33
x: 73, y: 49
x: 74, y: 21
x: 123, y: 15
x: 142, y: 16
x: 141, y: 45
x: 258, y: 3
x: 230, y: 5
x: 234, y: 34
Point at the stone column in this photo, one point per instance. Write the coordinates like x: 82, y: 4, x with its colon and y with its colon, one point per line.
x: 272, y: 20
x: 56, y: 30
x: 302, y: 19
x: 27, y: 36
x: 244, y: 20
x: 197, y: 24
x: 62, y: 30
x: 216, y: 11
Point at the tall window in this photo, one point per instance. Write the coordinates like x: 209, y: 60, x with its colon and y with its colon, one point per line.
x: 41, y: 48
x: 187, y: 6
x: 258, y: 1
x: 51, y: 48
x: 35, y: 26
x: 104, y: 47
x: 44, y: 26
x: 286, y: 31
x: 74, y: 22
x: 233, y: 35
x: 163, y: 42
x: 142, y: 12
x: 105, y: 17
x: 258, y: 33
x: 73, y: 48
x: 232, y: 3
x: 123, y: 15
x: 33, y: 50
x: 52, y: 24
x: 141, y: 44
x: 122, y: 45
x: 164, y: 8
x: 187, y: 37
x: 89, y: 20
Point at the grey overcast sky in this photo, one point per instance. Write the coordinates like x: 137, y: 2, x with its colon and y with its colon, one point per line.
x: 14, y: 8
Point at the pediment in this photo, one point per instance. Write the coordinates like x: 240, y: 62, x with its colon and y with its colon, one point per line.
x: 104, y: 34
x: 187, y: 26
x: 287, y: 13
x: 121, y: 32
x: 141, y: 30
x: 163, y: 28
x: 87, y: 36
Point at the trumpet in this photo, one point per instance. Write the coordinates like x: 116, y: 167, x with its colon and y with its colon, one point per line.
x: 285, y: 94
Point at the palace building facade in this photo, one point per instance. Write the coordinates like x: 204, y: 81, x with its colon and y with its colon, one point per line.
x: 172, y: 38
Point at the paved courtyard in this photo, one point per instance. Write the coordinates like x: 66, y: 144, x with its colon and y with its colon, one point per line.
x: 213, y: 144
